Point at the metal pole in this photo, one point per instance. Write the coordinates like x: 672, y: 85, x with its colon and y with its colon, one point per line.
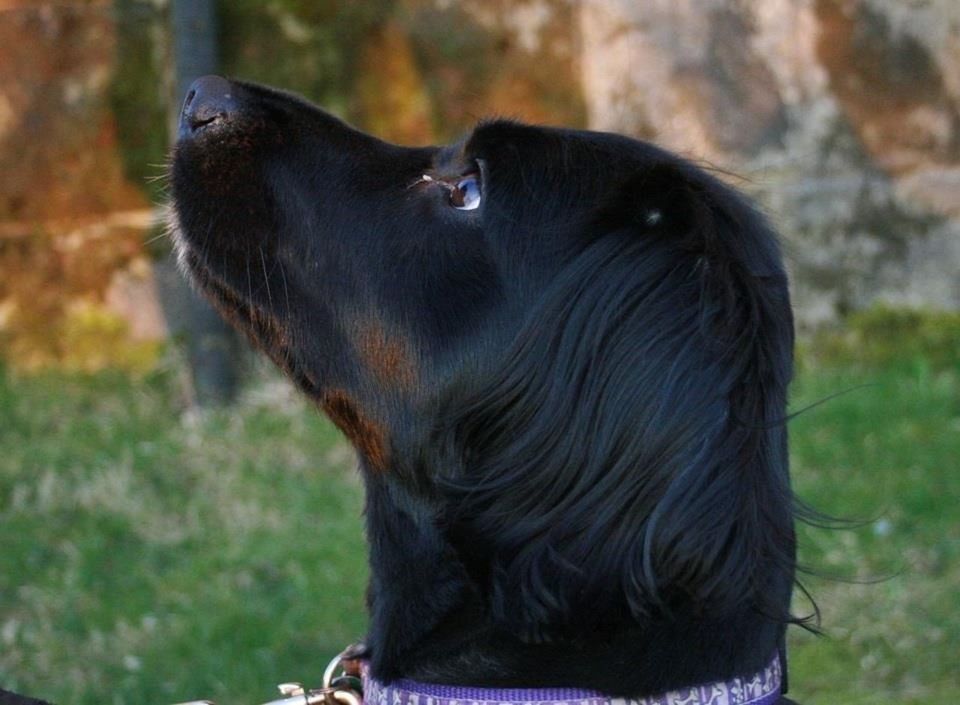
x: 212, y: 349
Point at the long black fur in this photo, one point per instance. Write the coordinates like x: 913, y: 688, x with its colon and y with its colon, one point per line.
x: 569, y: 403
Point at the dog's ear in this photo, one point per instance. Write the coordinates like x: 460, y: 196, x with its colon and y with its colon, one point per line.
x: 631, y: 450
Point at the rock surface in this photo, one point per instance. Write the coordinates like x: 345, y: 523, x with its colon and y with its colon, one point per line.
x: 842, y: 115
x: 58, y: 140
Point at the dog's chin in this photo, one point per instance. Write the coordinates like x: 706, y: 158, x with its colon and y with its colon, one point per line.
x: 264, y: 330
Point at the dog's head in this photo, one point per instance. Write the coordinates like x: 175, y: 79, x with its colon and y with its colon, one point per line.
x: 576, y: 345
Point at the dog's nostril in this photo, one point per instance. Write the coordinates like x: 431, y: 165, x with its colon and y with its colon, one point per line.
x: 204, y: 118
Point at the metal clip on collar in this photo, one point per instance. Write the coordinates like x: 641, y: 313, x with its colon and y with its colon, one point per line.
x: 340, y: 690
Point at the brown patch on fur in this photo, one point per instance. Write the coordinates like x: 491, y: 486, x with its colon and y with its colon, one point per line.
x: 263, y: 330
x: 389, y: 357
x: 368, y: 437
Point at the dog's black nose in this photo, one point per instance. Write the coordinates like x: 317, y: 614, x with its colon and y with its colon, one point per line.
x: 209, y: 102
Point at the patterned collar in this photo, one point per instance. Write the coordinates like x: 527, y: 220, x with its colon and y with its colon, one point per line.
x: 762, y: 688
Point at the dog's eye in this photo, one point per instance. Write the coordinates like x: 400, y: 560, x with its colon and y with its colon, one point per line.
x: 465, y: 194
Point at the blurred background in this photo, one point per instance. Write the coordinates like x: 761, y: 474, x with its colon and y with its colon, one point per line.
x: 176, y: 523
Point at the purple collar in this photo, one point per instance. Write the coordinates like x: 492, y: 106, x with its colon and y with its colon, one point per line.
x: 762, y: 688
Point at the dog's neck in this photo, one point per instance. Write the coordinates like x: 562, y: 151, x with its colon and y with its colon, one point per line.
x: 429, y: 621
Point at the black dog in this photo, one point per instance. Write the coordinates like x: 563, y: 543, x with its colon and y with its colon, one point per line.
x: 563, y: 359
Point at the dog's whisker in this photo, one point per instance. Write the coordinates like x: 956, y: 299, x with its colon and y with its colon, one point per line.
x: 266, y: 277
x: 286, y: 295
x: 246, y: 261
x: 159, y: 236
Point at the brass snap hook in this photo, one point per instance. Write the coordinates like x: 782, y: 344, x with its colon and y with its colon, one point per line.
x: 345, y: 688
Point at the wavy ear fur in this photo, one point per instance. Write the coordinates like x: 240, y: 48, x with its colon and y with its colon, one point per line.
x: 631, y: 450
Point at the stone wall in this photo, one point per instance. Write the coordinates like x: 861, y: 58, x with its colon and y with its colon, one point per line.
x: 842, y: 116
x: 58, y: 135
x: 71, y: 219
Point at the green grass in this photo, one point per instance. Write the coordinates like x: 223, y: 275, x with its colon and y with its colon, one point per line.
x: 151, y: 557
x: 887, y: 452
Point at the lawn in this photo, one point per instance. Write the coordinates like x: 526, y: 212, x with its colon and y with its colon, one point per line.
x: 152, y: 556
x: 887, y: 453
